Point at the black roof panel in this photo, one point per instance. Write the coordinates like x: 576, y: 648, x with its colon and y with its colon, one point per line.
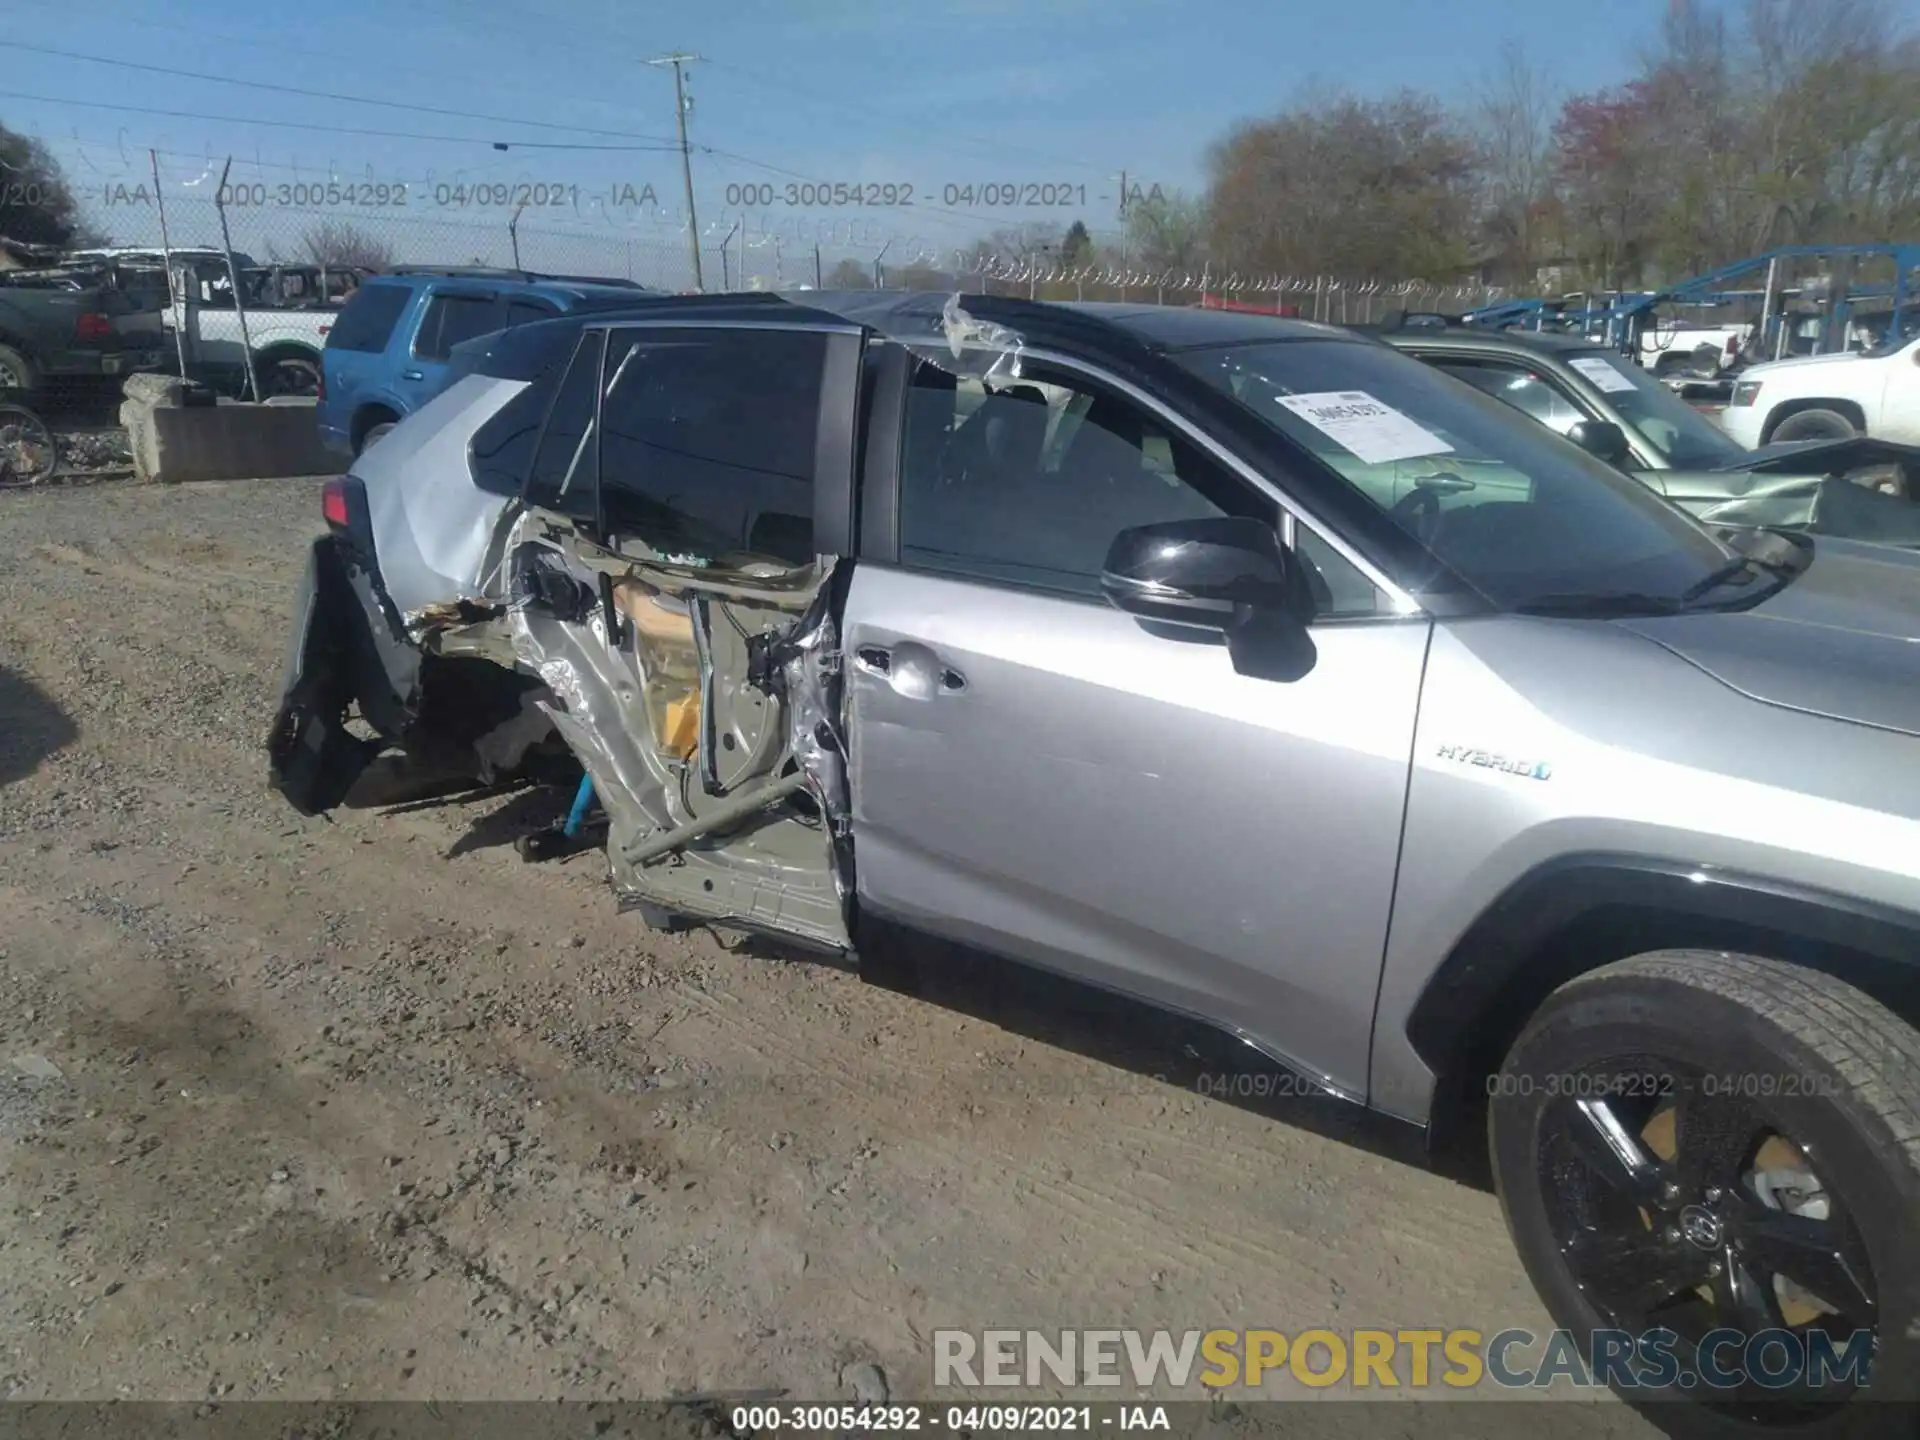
x: 914, y: 317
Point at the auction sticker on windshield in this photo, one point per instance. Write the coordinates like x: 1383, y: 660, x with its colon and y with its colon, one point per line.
x: 1601, y: 372
x: 1374, y: 432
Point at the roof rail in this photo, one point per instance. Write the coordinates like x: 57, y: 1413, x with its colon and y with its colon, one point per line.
x: 500, y: 272
x: 491, y: 272
x: 617, y: 282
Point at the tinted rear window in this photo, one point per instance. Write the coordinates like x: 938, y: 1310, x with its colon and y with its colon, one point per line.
x: 367, y: 321
x: 529, y: 312
x: 524, y: 353
x: 454, y: 317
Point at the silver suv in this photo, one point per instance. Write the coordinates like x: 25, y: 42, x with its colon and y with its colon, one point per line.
x: 1242, y: 666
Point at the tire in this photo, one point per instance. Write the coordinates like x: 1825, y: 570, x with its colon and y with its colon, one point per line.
x: 290, y: 375
x: 1814, y: 425
x: 375, y: 436
x: 18, y: 375
x: 28, y: 452
x: 1715, y: 1030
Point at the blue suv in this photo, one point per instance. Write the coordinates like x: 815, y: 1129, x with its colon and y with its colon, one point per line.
x: 387, y: 354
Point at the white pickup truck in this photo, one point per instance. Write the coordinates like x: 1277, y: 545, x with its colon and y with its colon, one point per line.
x: 286, y: 335
x: 1829, y: 397
x: 1679, y: 347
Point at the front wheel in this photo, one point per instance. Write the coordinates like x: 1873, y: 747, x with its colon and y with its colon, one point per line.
x: 1710, y: 1164
x: 1814, y: 425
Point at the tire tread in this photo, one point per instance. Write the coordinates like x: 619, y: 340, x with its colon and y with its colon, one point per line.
x: 1875, y: 1052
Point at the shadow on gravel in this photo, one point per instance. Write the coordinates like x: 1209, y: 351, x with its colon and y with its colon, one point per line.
x: 1133, y: 1036
x: 526, y: 810
x: 32, y: 727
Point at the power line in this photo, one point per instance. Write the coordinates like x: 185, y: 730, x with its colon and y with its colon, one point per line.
x: 329, y: 129
x: 277, y: 45
x: 324, y: 94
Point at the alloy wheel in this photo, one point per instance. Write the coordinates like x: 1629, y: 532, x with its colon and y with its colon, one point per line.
x: 1678, y: 1204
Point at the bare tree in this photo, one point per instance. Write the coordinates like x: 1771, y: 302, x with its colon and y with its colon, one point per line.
x: 342, y: 244
x: 37, y: 205
x: 1167, y: 232
x: 1514, y: 104
x: 1347, y: 188
x: 849, y: 275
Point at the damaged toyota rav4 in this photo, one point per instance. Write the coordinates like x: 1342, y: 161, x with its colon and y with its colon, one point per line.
x: 1245, y: 667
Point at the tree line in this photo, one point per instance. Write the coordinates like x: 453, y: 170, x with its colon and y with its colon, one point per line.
x: 1746, y: 125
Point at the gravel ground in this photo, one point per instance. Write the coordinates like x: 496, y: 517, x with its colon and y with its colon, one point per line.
x: 364, y: 1107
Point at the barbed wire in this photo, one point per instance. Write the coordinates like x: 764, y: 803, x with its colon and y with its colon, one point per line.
x: 280, y: 213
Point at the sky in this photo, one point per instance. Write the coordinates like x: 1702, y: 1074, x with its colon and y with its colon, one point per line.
x: 957, y: 105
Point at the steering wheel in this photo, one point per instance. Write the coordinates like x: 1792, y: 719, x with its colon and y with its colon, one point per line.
x: 1417, y: 512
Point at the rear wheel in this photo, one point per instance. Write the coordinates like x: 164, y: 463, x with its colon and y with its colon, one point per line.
x: 375, y: 435
x: 16, y: 372
x: 1724, y: 1150
x: 290, y: 375
x: 1815, y: 425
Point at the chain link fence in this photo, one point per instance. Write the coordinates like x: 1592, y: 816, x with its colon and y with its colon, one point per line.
x: 265, y: 231
x: 359, y: 224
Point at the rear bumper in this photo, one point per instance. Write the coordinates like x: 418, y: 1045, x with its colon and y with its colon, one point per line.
x: 104, y: 362
x: 347, y: 650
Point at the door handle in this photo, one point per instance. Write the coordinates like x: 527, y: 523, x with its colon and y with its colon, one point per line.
x: 413, y: 375
x: 911, y: 669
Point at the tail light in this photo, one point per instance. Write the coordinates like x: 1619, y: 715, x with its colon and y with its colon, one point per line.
x: 333, y: 505
x: 320, y: 382
x: 343, y: 505
x: 90, y: 326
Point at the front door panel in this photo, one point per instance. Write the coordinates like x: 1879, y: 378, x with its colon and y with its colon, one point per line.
x: 1047, y: 779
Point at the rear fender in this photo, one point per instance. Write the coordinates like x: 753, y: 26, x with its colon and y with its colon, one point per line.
x: 347, y: 649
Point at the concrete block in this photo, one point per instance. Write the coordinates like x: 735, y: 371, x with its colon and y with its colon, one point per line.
x: 173, y: 442
x: 153, y: 389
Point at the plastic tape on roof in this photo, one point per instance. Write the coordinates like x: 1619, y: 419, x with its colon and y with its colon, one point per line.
x: 979, y: 349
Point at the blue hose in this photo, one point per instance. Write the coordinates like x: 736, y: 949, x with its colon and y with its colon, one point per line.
x: 582, y: 798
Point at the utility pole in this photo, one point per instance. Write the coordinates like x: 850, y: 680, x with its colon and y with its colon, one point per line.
x: 677, y: 59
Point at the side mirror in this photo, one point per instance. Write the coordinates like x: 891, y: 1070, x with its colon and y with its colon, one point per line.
x: 1230, y: 577
x: 1601, y: 439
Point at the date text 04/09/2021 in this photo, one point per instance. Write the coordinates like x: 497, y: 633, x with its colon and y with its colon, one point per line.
x: 972, y: 1419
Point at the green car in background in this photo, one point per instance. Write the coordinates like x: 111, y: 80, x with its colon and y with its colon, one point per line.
x: 1859, y: 488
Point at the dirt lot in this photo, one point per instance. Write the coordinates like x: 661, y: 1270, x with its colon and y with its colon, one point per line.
x: 365, y: 1107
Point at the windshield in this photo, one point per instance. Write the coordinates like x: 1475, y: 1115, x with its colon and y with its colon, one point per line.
x: 1518, y: 513
x: 1685, y: 438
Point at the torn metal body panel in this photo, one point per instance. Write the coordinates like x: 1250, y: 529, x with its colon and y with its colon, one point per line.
x: 719, y: 791
x: 1833, y: 505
